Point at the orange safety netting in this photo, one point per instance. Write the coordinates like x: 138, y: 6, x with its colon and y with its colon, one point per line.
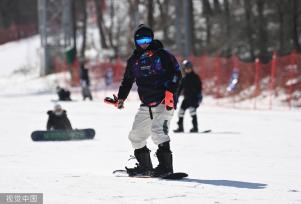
x: 281, y: 73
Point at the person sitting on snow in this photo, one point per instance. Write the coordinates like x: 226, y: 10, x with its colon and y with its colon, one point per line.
x: 58, y: 119
x: 63, y: 94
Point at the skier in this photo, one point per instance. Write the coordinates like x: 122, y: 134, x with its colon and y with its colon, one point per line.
x: 157, y: 76
x: 63, y: 94
x: 58, y: 119
x: 85, y: 82
x: 191, y: 85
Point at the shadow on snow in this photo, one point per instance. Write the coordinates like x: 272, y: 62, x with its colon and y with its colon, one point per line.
x: 227, y: 183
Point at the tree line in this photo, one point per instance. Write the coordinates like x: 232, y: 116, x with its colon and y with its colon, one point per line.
x: 18, y: 12
x: 247, y: 28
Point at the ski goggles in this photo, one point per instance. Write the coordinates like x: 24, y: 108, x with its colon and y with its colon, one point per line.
x: 144, y: 40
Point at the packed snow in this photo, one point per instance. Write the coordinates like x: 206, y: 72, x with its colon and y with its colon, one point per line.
x: 251, y: 156
x: 21, y: 56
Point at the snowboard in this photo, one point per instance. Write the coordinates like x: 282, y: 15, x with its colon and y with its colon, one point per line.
x: 205, y: 131
x: 63, y: 135
x: 57, y: 100
x: 200, y: 132
x: 173, y: 176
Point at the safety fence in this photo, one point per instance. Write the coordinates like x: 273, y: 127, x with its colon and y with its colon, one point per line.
x: 225, y: 77
x: 109, y: 71
x: 16, y: 32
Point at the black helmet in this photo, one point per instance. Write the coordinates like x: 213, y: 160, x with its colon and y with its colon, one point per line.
x: 143, y: 31
x: 187, y: 64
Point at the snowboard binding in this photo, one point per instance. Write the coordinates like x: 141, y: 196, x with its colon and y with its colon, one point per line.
x: 171, y: 176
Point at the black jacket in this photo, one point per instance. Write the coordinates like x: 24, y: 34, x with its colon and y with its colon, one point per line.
x: 64, y: 95
x: 155, y: 70
x: 191, y: 85
x: 58, y: 122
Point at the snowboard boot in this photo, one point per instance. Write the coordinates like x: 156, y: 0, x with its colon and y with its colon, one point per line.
x: 180, y: 126
x: 195, y: 124
x: 144, y: 166
x: 164, y: 156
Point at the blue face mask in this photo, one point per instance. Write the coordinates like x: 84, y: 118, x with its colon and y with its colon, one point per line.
x: 144, y: 40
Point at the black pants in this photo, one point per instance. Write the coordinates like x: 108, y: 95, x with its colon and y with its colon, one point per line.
x: 189, y: 104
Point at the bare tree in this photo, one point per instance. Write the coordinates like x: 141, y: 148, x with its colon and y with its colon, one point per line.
x: 249, y: 30
x: 100, y: 23
x: 114, y: 35
x: 150, y: 13
x: 178, y: 23
x: 228, y: 27
x: 262, y: 35
x: 189, y: 28
x: 84, y: 27
x: 110, y: 29
x: 217, y: 6
x: 192, y: 26
x: 134, y: 19
x: 207, y: 12
x: 280, y: 12
x: 134, y: 13
x: 164, y: 10
x: 295, y: 16
x: 74, y: 27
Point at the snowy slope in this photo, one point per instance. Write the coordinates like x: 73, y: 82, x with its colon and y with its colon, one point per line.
x: 18, y: 56
x: 251, y: 156
x: 20, y: 70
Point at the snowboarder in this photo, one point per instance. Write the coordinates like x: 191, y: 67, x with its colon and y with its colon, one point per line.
x: 85, y: 82
x: 58, y: 119
x: 191, y: 85
x: 63, y: 94
x: 157, y: 75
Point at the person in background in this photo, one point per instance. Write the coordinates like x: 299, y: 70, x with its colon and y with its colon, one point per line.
x: 85, y: 82
x: 191, y: 86
x: 63, y: 94
x: 58, y: 119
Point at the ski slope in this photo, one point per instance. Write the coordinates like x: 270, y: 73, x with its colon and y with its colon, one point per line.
x: 250, y: 157
x: 20, y: 56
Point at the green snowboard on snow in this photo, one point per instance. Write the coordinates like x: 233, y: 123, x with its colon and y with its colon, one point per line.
x: 63, y: 135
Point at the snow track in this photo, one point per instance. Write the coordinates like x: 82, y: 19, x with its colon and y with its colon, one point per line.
x: 250, y: 157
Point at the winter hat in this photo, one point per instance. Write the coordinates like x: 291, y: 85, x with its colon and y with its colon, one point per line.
x: 143, y: 31
x: 186, y: 64
x: 57, y: 109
